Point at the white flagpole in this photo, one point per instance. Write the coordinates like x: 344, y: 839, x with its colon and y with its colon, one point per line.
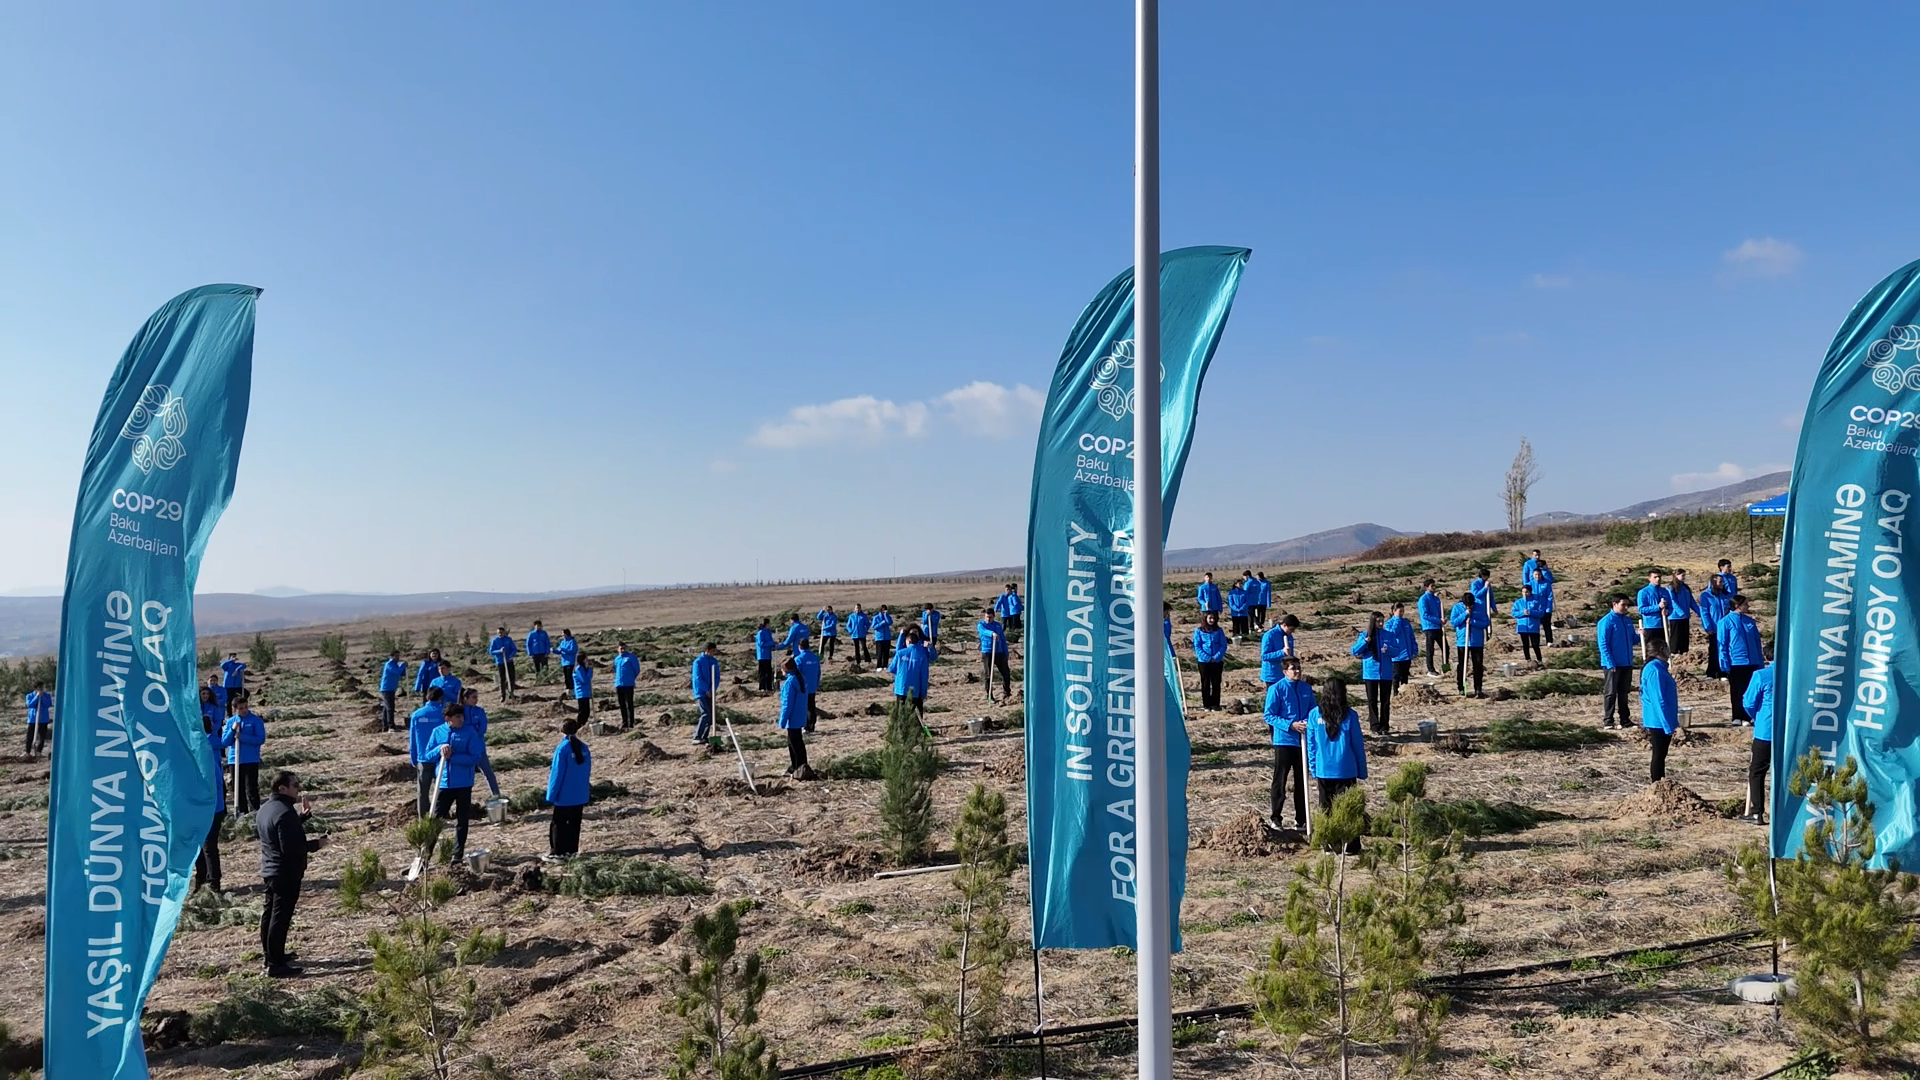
x: 1152, y: 910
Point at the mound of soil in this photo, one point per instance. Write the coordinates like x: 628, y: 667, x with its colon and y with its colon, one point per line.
x: 1244, y: 837
x: 646, y: 751
x: 836, y: 862
x: 397, y: 772
x: 1666, y: 801
x: 1424, y: 694
x: 732, y: 785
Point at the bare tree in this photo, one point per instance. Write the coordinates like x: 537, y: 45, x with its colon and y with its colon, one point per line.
x: 1521, y: 476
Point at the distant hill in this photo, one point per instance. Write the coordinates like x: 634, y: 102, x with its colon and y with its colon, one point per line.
x: 1314, y: 547
x: 1730, y: 497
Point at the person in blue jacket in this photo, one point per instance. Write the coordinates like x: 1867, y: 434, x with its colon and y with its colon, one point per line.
x: 1740, y: 654
x: 206, y: 865
x: 1405, y: 648
x: 428, y: 671
x: 1208, y: 595
x: 1614, y: 636
x: 626, y: 672
x: 1527, y: 566
x: 246, y: 734
x: 1542, y: 581
x: 539, y: 648
x: 1008, y: 606
x: 233, y: 676
x: 1237, y: 611
x: 858, y: 622
x: 219, y: 693
x: 1481, y: 586
x: 1526, y: 623
x: 455, y: 750
x: 420, y: 727
x: 705, y: 677
x: 1336, y: 751
x: 1374, y: 647
x: 569, y: 786
x: 1249, y: 596
x: 1655, y: 602
x: 1289, y: 703
x: 882, y: 637
x: 1166, y: 622
x: 1680, y: 616
x: 1276, y: 645
x: 1715, y: 602
x: 40, y: 718
x: 1433, y: 623
x: 993, y: 654
x: 1659, y: 709
x: 449, y: 684
x: 503, y: 649
x: 1261, y: 600
x: 1732, y: 581
x: 829, y: 631
x: 1469, y: 621
x: 930, y: 630
x: 582, y: 690
x: 1210, y: 653
x: 910, y: 669
x: 796, y: 635
x: 808, y: 663
x: 567, y: 649
x: 475, y: 719
x: 794, y: 714
x: 763, y: 646
x: 1759, y: 705
x: 392, y: 672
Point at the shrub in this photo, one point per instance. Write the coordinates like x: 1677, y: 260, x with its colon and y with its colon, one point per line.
x: 526, y: 800
x: 205, y: 909
x: 1558, y: 684
x: 864, y: 765
x: 1582, y: 657
x: 385, y: 641
x: 262, y: 653
x: 907, y: 767
x: 256, y: 1007
x: 363, y: 873
x: 613, y: 875
x: 1526, y: 733
x: 334, y: 647
x: 1478, y: 817
x: 841, y: 680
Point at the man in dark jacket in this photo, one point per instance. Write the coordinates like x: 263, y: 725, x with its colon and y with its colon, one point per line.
x: 283, y: 863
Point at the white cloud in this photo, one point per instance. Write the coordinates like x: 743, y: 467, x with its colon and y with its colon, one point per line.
x: 1727, y: 473
x: 1761, y: 256
x: 1549, y: 281
x: 979, y: 408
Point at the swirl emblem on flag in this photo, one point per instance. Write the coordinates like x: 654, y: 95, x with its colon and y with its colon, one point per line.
x: 1888, y: 375
x: 156, y: 424
x: 1112, y: 386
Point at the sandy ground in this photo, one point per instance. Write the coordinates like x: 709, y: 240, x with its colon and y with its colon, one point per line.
x: 581, y: 988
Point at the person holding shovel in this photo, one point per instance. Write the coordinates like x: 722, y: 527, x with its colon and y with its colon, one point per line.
x: 1655, y: 603
x: 503, y: 649
x: 455, y: 750
x: 420, y: 728
x: 1289, y: 702
x: 1469, y: 620
x: 1432, y: 623
x: 705, y: 677
x: 247, y: 734
x: 993, y: 654
x: 40, y: 718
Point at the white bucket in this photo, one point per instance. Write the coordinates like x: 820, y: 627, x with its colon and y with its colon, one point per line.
x: 1686, y: 716
x: 497, y: 811
x: 477, y: 861
x: 1507, y: 669
x: 976, y: 725
x: 600, y: 727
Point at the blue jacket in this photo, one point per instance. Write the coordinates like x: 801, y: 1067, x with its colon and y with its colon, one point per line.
x: 993, y: 636
x: 910, y: 667
x: 1659, y: 699
x: 857, y: 623
x: 1732, y: 582
x: 1007, y: 604
x: 449, y: 685
x: 1209, y: 644
x: 705, y: 675
x: 1759, y: 704
x: 1526, y: 570
x: 1480, y: 588
x: 883, y: 627
x: 1275, y: 645
x: 1683, y: 603
x: 1469, y: 624
x: 252, y: 735
x: 1615, y: 636
x: 793, y: 702
x: 1340, y: 756
x: 1543, y: 591
x: 1287, y: 700
x: 626, y: 668
x: 475, y: 719
x: 219, y: 696
x: 582, y: 682
x: 1376, y: 663
x: 539, y: 643
x: 392, y: 672
x: 469, y: 750
x: 1209, y: 596
x: 1739, y: 638
x: 1261, y: 592
x: 1648, y: 601
x: 1526, y: 615
x: 829, y: 623
x: 420, y: 728
x: 570, y: 782
x: 930, y: 623
x: 40, y: 707
x: 1713, y: 607
x: 424, y: 677
x: 1430, y: 616
x: 232, y: 674
x: 808, y: 662
x: 215, y: 747
x: 1405, y: 647
x: 502, y: 648
x: 763, y: 643
x: 568, y: 648
x: 1236, y: 601
x: 796, y: 634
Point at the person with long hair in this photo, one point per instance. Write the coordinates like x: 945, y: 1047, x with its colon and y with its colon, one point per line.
x: 1336, y: 751
x: 1526, y: 623
x: 206, y: 866
x: 1237, y: 610
x: 1402, y: 645
x: 1679, y: 620
x: 1375, y: 649
x: 1659, y: 707
x: 1759, y: 704
x: 793, y: 718
x: 569, y: 784
x: 582, y: 690
x: 1740, y: 654
x: 1210, y: 653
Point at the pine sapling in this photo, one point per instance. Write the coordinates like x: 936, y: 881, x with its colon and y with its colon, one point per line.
x: 983, y: 942
x: 719, y: 998
x: 425, y: 1002
x: 907, y: 765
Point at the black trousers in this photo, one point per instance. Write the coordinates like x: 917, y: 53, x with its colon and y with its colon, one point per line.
x: 1616, y: 687
x: 539, y: 662
x: 1402, y: 672
x: 1546, y: 625
x: 1287, y: 762
x: 919, y: 704
x: 1258, y: 613
x: 1713, y: 657
x: 1759, y: 759
x: 827, y: 645
x: 206, y: 865
x: 387, y: 708
x: 1435, y: 640
x: 1239, y: 625
x: 1012, y: 625
x: 1678, y: 635
x: 566, y: 678
x: 1210, y: 683
x: 1657, y: 743
x: 796, y: 750
x: 1530, y: 647
x: 504, y: 677
x: 1651, y: 634
x: 276, y: 918
x: 249, y: 793
x: 37, y: 738
x: 1328, y: 790
x: 583, y: 711
x: 423, y: 788
x: 1476, y: 657
x: 458, y: 801
x: 861, y: 654
x: 813, y: 711
x: 764, y: 668
x: 1379, y: 705
x: 563, y: 832
x: 1738, y: 676
x: 624, y: 695
x: 988, y: 663
x: 882, y: 652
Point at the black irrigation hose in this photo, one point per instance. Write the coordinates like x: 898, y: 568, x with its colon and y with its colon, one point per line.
x: 1791, y: 1065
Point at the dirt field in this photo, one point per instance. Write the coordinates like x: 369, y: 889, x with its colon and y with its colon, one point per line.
x: 580, y: 990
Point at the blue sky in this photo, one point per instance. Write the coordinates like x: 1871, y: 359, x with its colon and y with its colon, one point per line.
x: 560, y: 295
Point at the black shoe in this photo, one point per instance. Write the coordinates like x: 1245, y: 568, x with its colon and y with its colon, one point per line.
x: 285, y: 971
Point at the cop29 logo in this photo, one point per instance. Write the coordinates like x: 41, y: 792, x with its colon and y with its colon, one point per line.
x: 1888, y: 375
x: 1112, y: 385
x: 156, y: 424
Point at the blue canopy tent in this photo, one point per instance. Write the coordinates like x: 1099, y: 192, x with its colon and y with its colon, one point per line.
x: 1774, y: 507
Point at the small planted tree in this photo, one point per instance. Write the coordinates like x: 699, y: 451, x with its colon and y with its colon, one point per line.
x: 983, y: 942
x: 261, y: 654
x: 719, y: 998
x: 1304, y: 991
x: 1848, y: 926
x: 334, y: 647
x: 907, y: 765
